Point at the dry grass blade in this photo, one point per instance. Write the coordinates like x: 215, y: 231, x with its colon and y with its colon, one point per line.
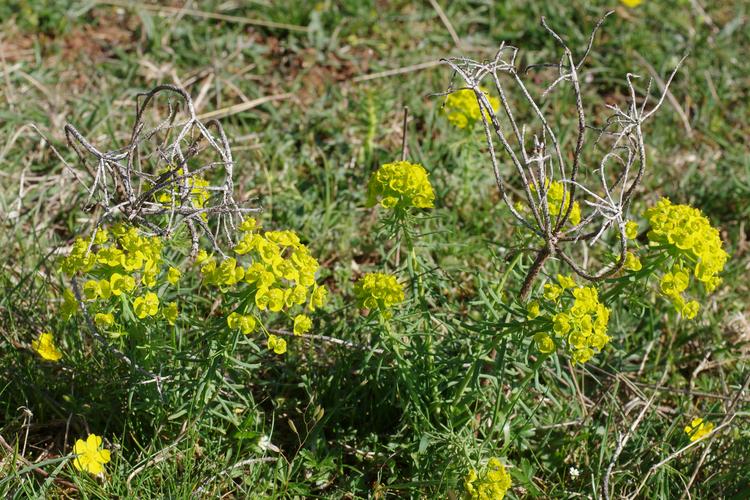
x: 165, y: 9
x: 243, y: 106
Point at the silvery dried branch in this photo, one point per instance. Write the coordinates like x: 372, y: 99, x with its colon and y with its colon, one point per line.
x: 620, y: 144
x: 167, y: 157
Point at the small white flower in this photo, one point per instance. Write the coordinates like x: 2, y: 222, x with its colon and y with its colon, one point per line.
x: 264, y: 443
x: 574, y: 473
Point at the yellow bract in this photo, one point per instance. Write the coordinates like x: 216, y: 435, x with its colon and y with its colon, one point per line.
x: 302, y: 324
x: 558, y: 201
x: 544, y: 343
x: 104, y: 320
x: 378, y: 291
x: 173, y: 275
x: 632, y: 262
x: 631, y: 230
x: 146, y: 305
x: 698, y: 428
x: 69, y: 305
x: 46, y: 348
x: 243, y: 322
x: 170, y: 313
x: 89, y: 456
x: 492, y: 485
x: 400, y: 185
x: 276, y: 344
x: 695, y: 248
x: 462, y: 107
x: 581, y: 325
x: 532, y: 309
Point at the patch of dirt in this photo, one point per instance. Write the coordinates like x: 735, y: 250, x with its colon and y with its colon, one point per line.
x: 316, y: 70
x: 94, y: 42
x: 16, y: 46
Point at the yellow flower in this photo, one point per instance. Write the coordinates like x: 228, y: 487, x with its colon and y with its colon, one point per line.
x: 170, y: 312
x: 698, y: 428
x: 632, y: 262
x: 532, y: 309
x: 248, y: 224
x: 561, y: 324
x: 149, y: 279
x: 690, y: 310
x: 462, y: 108
x: 492, y: 485
x: 173, y: 275
x: 101, y: 237
x: 243, y: 322
x: 544, y: 343
x: 318, y: 297
x: 631, y: 229
x: 558, y: 201
x: 146, y: 305
x: 104, y: 320
x: 120, y: 284
x: 631, y: 3
x: 566, y: 281
x: 582, y: 355
x: 69, y: 305
x: 89, y: 457
x: 302, y: 324
x: 46, y: 348
x: 276, y: 344
x: 79, y: 258
x: 378, y: 291
x: 552, y: 292
x: 201, y: 257
x: 91, y: 290
x: 275, y: 299
x: 400, y: 185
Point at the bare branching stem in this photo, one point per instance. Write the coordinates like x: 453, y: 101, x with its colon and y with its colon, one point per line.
x: 536, y: 157
x: 169, y: 159
x: 541, y: 257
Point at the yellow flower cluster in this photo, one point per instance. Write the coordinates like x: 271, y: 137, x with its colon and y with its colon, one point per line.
x: 462, y: 109
x: 378, y: 291
x: 698, y: 428
x: 400, y: 185
x: 492, y: 485
x: 46, y: 348
x: 694, y: 246
x: 199, y: 193
x: 558, y: 200
x: 120, y: 262
x: 581, y: 327
x: 89, y: 457
x: 279, y: 276
x: 631, y: 3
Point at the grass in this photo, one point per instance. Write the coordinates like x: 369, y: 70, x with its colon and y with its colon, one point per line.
x: 342, y: 422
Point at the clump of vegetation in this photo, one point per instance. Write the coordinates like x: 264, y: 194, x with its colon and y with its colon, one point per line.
x: 506, y: 307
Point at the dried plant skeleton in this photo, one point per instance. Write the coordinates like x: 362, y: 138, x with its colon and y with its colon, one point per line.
x: 160, y: 174
x: 542, y: 165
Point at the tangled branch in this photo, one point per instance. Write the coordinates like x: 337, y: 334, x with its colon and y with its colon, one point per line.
x: 159, y: 174
x: 543, y: 162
